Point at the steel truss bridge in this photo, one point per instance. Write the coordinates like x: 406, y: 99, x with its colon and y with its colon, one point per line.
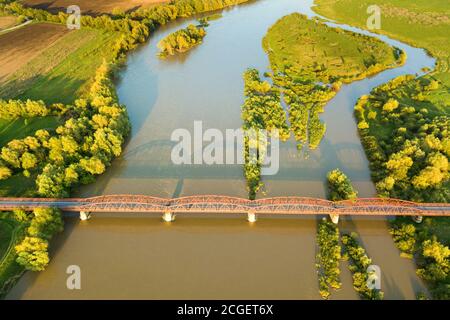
x: 225, y: 204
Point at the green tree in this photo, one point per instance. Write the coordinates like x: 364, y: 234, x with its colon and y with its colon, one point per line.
x: 339, y: 186
x: 5, y: 173
x: 32, y: 253
x: 45, y: 223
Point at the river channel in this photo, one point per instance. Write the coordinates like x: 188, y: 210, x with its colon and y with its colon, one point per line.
x: 218, y: 257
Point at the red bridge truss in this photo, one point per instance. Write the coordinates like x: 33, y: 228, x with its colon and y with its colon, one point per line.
x: 224, y: 204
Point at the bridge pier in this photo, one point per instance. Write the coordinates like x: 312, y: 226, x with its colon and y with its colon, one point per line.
x: 168, y: 216
x: 417, y: 219
x: 84, y: 215
x: 251, y: 217
x: 334, y: 218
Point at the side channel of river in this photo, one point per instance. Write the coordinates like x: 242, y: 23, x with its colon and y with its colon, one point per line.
x: 218, y: 257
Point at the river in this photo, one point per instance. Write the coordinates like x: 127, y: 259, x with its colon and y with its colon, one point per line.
x: 139, y: 257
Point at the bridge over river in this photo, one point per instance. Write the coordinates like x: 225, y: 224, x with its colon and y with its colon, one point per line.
x: 225, y: 204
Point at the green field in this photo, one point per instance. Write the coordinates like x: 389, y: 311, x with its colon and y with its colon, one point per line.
x: 306, y: 46
x: 422, y: 23
x: 11, y: 232
x: 21, y: 128
x: 6, y: 230
x: 18, y: 186
x: 64, y: 71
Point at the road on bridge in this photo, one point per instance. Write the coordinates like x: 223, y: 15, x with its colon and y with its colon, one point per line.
x: 224, y: 204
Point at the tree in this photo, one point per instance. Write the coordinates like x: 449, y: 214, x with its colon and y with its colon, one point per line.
x: 339, y: 186
x: 434, y: 173
x: 390, y: 105
x: 398, y: 165
x: 93, y: 165
x: 29, y: 161
x: 32, y: 253
x: 45, y: 223
x: 50, y: 183
x: 5, y: 173
x: 438, y: 266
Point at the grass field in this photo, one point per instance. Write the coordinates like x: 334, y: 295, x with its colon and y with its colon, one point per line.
x: 422, y: 23
x: 18, y: 186
x: 6, y: 230
x: 92, y: 7
x: 21, y: 128
x: 7, y: 22
x: 11, y: 232
x: 302, y: 44
x: 61, y: 71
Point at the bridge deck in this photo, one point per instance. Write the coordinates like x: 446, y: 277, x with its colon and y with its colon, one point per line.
x: 224, y: 204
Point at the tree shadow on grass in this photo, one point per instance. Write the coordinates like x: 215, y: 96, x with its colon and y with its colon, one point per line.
x: 57, y: 89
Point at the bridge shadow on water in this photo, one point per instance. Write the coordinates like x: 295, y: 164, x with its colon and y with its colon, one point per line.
x: 151, y: 161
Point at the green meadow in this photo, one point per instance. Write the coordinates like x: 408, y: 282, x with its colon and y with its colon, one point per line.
x: 21, y: 128
x: 422, y: 23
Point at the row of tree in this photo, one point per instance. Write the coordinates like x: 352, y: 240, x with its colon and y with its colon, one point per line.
x: 13, y: 109
x: 42, y: 224
x: 80, y: 149
x: 359, y: 264
x: 329, y: 253
x: 161, y: 14
x: 328, y: 257
x: 262, y: 113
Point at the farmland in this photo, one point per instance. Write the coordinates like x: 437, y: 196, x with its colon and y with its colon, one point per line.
x: 7, y: 22
x: 92, y: 7
x: 60, y: 70
x: 19, y: 47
